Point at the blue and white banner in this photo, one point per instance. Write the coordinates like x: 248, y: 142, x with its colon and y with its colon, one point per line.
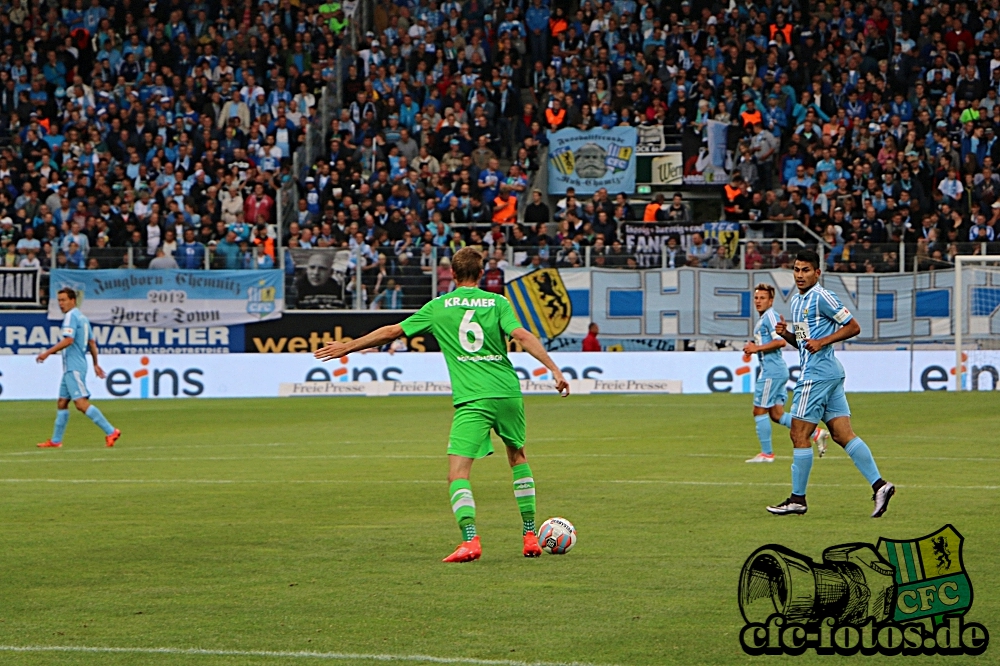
x: 718, y: 304
x: 172, y: 298
x: 588, y: 161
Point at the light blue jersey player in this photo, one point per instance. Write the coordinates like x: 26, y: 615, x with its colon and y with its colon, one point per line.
x: 77, y: 340
x: 820, y: 320
x: 770, y: 393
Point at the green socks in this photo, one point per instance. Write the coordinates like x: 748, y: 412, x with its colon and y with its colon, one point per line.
x: 464, y: 507
x: 524, y: 493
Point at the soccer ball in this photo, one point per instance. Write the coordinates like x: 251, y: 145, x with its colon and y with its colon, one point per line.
x: 557, y: 536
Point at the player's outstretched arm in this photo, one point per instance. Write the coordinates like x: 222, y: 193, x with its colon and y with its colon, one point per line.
x: 54, y: 349
x: 376, y: 338
x: 533, y: 346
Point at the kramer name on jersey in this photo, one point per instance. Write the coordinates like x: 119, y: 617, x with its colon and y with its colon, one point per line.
x: 470, y: 302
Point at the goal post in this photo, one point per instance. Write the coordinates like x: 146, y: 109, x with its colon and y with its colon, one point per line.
x: 976, y: 320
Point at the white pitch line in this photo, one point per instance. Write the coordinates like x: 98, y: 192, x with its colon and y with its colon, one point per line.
x: 170, y: 447
x: 125, y: 459
x: 330, y: 656
x: 224, y: 481
x: 57, y: 457
x: 842, y: 458
x: 664, y: 482
x: 48, y: 456
x: 669, y: 482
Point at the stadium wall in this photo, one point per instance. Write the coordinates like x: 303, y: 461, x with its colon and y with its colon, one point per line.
x: 261, y: 375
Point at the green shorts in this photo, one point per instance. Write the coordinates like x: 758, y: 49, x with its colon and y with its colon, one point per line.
x: 471, y: 425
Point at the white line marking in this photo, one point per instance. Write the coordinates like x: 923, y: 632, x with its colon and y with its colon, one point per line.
x: 835, y: 457
x: 120, y: 455
x: 331, y: 656
x: 668, y: 482
x: 123, y: 458
x: 242, y: 445
x: 170, y: 447
x: 226, y: 481
x: 754, y: 483
x: 665, y: 482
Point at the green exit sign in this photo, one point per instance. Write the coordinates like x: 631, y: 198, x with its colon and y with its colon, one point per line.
x: 644, y: 189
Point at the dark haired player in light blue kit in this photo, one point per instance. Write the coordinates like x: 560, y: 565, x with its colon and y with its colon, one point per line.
x: 770, y: 393
x: 820, y: 320
x: 77, y: 340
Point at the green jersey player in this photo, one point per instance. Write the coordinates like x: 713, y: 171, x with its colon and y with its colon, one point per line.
x: 471, y: 327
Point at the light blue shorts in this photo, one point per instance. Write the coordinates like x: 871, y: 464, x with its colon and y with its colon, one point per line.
x: 74, y: 385
x: 818, y: 400
x: 770, y: 391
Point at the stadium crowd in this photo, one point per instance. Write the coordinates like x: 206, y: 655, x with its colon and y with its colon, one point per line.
x: 167, y: 127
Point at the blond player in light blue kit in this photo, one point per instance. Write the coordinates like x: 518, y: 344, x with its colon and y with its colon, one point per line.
x: 77, y: 340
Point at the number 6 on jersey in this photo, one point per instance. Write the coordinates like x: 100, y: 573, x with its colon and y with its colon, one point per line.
x: 470, y: 329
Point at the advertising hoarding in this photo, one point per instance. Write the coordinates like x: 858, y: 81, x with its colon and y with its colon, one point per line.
x: 257, y: 375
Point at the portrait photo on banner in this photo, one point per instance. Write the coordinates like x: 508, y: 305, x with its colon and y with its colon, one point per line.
x: 590, y: 160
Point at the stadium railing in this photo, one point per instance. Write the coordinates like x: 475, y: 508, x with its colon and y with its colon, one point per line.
x: 925, y: 256
x: 790, y: 229
x: 134, y: 257
x: 752, y: 248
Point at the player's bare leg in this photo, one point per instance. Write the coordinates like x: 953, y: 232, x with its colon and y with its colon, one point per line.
x: 802, y: 458
x: 524, y: 493
x: 861, y: 455
x: 464, y: 508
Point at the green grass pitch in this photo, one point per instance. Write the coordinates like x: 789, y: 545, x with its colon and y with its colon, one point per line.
x: 318, y: 525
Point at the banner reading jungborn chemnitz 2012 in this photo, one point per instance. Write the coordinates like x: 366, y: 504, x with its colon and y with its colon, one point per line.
x: 588, y: 161
x: 172, y: 298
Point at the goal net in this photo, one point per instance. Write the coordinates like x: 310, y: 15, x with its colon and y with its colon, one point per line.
x: 977, y: 315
